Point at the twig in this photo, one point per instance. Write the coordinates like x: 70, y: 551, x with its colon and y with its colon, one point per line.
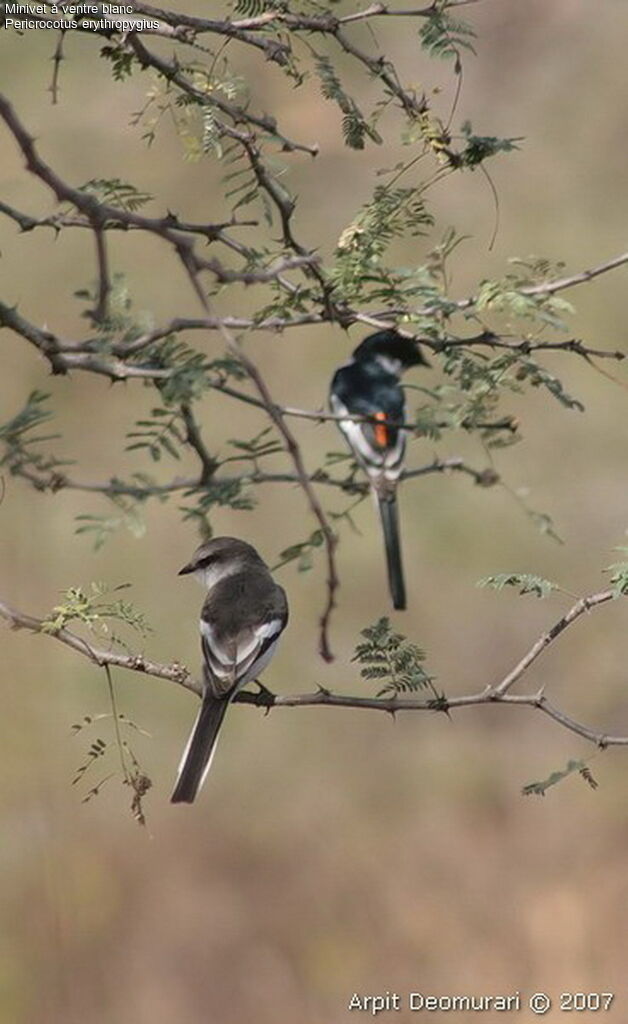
x: 559, y: 285
x: 238, y: 115
x: 57, y: 59
x: 174, y: 673
x: 294, y: 452
x: 244, y: 29
x: 104, y: 281
x: 582, y: 606
x: 100, y: 214
x: 490, y: 695
x: 54, y: 480
x: 193, y: 437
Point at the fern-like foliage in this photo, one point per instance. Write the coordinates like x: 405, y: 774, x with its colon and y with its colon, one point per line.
x: 573, y: 767
x: 478, y: 148
x: 118, y: 193
x: 355, y: 128
x: 20, y: 443
x: 479, y: 384
x: 392, y: 213
x: 119, y: 748
x: 253, y: 8
x: 445, y: 36
x: 231, y: 494
x: 159, y: 434
x: 535, y: 375
x: 524, y: 582
x: 188, y: 370
x: 121, y: 60
x: 257, y: 447
x: 93, y: 608
x: 619, y: 575
x: 508, y: 295
x: 391, y: 659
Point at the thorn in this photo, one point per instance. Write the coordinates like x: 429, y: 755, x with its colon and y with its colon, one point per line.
x: 264, y: 697
x: 440, y: 703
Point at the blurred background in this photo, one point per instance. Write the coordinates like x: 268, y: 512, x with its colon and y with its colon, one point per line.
x: 331, y: 851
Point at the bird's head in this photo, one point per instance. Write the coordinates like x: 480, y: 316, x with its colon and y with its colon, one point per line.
x: 392, y: 351
x: 220, y: 557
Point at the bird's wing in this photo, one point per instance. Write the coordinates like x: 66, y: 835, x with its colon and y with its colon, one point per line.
x: 377, y: 446
x: 235, y: 662
x: 240, y: 626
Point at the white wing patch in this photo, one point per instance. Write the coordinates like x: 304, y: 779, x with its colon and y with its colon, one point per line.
x: 240, y: 664
x: 269, y: 628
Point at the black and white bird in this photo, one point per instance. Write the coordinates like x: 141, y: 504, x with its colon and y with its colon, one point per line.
x: 243, y: 616
x: 369, y: 386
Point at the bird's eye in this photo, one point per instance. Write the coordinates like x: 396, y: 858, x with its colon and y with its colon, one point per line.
x: 204, y: 563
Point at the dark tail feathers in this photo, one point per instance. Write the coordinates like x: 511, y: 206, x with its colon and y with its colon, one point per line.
x: 390, y: 525
x: 197, y: 756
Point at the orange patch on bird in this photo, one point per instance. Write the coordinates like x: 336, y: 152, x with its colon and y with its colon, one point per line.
x: 381, y: 430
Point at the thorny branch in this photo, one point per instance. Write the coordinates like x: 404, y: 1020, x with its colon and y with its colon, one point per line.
x: 241, y: 126
x: 174, y: 673
x: 304, y: 480
x: 493, y: 694
x: 54, y: 480
x: 101, y: 217
x: 100, y: 214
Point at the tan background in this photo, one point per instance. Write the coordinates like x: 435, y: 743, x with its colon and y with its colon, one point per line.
x: 332, y: 851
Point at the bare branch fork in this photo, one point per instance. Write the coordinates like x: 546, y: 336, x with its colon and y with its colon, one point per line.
x: 493, y: 694
x: 294, y: 451
x: 101, y: 217
x: 245, y: 129
x: 99, y: 214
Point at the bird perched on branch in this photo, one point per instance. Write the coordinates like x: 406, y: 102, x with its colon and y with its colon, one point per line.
x: 368, y: 386
x: 242, y: 618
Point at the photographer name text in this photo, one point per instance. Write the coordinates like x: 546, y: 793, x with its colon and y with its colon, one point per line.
x: 539, y: 1002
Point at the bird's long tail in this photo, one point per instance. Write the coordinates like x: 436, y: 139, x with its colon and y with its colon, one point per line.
x: 387, y: 504
x: 201, y: 746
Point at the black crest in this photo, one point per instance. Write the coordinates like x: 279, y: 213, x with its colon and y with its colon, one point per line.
x: 389, y: 343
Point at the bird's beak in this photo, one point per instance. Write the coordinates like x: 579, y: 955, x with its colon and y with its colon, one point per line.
x: 186, y: 569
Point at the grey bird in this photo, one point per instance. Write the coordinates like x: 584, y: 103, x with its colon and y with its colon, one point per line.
x: 243, y: 616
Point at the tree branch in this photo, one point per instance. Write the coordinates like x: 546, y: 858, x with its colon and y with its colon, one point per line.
x: 294, y: 452
x: 490, y: 695
x: 582, y: 606
x: 54, y: 480
x: 174, y: 673
x: 100, y: 214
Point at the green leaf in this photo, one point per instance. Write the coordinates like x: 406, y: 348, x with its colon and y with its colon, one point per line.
x: 443, y: 36
x: 525, y: 583
x: 540, y: 788
x: 619, y: 577
x: 90, y: 607
x: 302, y: 552
x: 118, y: 193
x: 386, y: 655
x: 481, y: 147
x: 355, y: 128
